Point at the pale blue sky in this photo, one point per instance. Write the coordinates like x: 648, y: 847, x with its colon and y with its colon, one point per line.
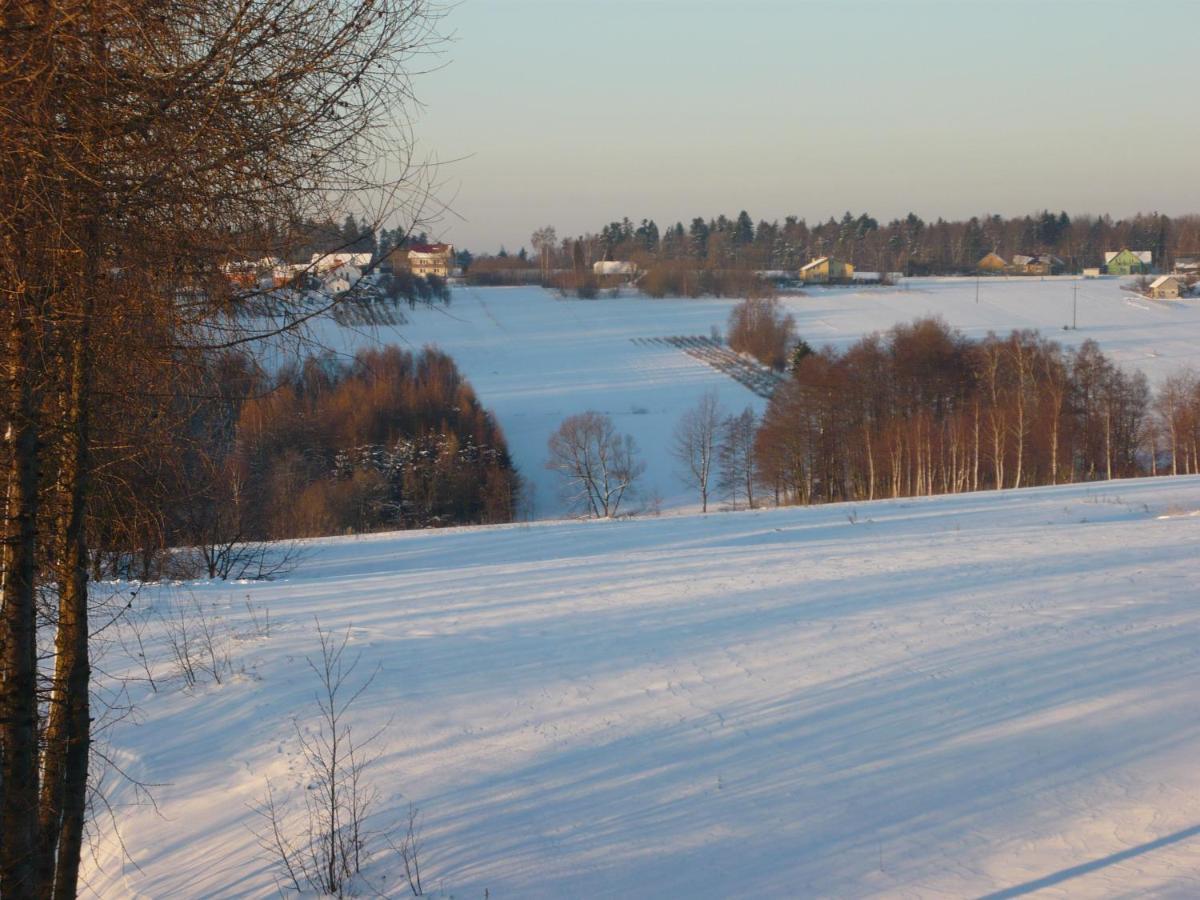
x: 577, y: 112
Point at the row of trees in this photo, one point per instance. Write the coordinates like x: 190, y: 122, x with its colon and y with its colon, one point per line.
x: 139, y: 142
x: 909, y: 244
x: 918, y: 411
x: 923, y: 410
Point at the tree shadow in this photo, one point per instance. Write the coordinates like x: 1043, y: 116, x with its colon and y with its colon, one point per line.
x: 1112, y: 859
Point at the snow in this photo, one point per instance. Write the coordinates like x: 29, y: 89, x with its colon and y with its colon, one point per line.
x: 935, y: 697
x: 536, y: 358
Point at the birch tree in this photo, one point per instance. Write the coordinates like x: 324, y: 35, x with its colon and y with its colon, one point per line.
x: 695, y: 445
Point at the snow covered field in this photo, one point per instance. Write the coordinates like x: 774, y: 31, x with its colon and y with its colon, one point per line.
x: 939, y: 697
x: 535, y: 358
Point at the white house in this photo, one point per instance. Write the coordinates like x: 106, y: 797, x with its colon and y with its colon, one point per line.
x: 614, y: 267
x: 340, y: 279
x: 335, y: 284
x: 325, y: 262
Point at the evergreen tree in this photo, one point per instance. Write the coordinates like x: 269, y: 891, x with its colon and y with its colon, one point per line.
x: 698, y: 238
x: 743, y: 230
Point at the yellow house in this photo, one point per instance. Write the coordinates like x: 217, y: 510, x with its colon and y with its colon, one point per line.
x: 993, y: 263
x: 1167, y: 287
x: 825, y: 270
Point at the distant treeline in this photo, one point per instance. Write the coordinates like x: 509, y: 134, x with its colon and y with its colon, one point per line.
x: 924, y: 410
x: 908, y: 245
x: 388, y: 440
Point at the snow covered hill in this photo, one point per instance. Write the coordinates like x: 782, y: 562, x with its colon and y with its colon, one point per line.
x: 536, y: 358
x: 937, y: 697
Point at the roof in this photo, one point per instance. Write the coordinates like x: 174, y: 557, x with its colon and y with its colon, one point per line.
x: 1146, y: 256
x: 1163, y: 279
x: 814, y: 263
x: 432, y: 249
x: 325, y: 261
x: 613, y: 267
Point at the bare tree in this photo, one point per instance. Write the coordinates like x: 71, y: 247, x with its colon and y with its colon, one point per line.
x: 332, y: 845
x: 544, y: 241
x: 141, y: 146
x: 599, y: 467
x: 759, y: 326
x: 695, y: 444
x: 736, y: 456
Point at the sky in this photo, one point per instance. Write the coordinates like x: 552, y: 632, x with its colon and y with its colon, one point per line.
x: 575, y: 113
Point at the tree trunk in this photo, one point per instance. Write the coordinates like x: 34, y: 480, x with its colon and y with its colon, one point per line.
x: 18, y: 636
x: 68, y: 733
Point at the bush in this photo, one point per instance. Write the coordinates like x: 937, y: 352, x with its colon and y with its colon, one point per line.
x: 683, y: 279
x: 760, y: 327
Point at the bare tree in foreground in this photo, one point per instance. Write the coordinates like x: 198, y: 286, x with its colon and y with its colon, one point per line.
x: 330, y: 846
x: 599, y: 467
x: 696, y: 443
x: 141, y: 144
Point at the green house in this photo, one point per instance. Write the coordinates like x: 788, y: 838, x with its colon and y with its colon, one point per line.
x: 1128, y: 262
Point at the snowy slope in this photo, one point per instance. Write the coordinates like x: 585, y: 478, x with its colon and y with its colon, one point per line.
x: 536, y: 358
x: 937, y: 697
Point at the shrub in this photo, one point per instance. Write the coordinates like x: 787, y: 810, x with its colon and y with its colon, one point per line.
x: 760, y: 327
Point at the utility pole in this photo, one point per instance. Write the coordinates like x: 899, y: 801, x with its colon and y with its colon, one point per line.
x: 976, y: 290
x: 1074, y: 306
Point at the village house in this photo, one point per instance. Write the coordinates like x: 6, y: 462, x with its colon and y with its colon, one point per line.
x: 993, y: 264
x: 1187, y: 265
x: 422, y: 259
x: 335, y: 284
x: 614, y: 267
x: 1128, y: 262
x: 255, y: 274
x: 1167, y: 287
x: 1042, y: 264
x: 825, y: 270
x: 327, y: 262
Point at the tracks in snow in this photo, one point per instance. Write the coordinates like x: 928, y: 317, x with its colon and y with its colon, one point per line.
x: 746, y: 371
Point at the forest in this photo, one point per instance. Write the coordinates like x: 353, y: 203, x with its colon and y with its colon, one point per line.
x: 707, y: 255
x: 387, y: 440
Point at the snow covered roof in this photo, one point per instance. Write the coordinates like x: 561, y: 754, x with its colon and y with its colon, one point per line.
x: 613, y: 267
x: 1146, y: 256
x: 814, y: 263
x: 430, y: 249
x: 325, y: 261
x: 1163, y: 279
